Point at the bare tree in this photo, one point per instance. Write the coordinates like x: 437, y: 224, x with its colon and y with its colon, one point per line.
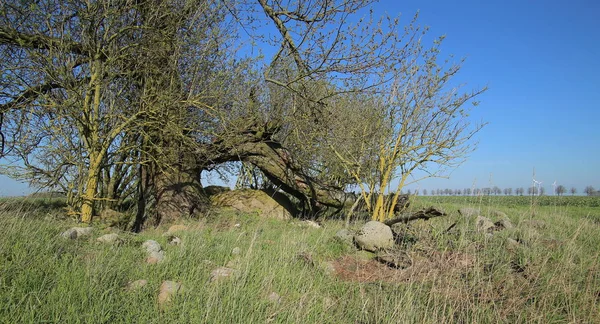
x: 560, y: 190
x: 573, y: 191
x: 589, y: 190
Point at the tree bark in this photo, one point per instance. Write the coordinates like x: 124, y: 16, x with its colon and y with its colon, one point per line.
x: 178, y: 194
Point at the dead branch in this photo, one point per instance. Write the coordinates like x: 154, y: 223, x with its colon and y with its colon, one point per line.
x: 425, y: 214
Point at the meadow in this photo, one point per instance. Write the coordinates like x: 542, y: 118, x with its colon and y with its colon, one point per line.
x: 546, y: 269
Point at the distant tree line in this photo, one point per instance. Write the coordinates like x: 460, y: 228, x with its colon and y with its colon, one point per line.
x: 558, y: 190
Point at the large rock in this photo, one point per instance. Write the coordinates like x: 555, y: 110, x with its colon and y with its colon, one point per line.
x: 374, y: 236
x: 251, y: 201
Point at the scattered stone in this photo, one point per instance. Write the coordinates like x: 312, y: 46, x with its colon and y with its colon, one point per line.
x: 135, y: 285
x: 469, y: 212
x: 77, y: 232
x: 155, y: 257
x: 395, y: 259
x: 177, y: 228
x: 168, y: 289
x: 108, y: 238
x: 274, y: 298
x: 237, y: 225
x: 236, y: 251
x: 151, y: 246
x: 374, y: 236
x: 174, y: 240
x: 310, y: 223
x: 483, y: 224
x: 364, y: 255
x: 503, y: 224
x: 220, y: 273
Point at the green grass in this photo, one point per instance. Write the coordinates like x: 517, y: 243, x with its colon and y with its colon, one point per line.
x: 552, y: 277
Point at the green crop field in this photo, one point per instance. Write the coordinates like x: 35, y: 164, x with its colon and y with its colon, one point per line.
x: 546, y: 269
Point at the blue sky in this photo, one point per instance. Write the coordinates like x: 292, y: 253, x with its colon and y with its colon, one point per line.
x: 541, y: 61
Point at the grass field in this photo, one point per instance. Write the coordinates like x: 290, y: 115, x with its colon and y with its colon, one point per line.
x: 459, y: 276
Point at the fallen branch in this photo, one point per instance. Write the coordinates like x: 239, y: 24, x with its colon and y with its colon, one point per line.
x: 425, y: 214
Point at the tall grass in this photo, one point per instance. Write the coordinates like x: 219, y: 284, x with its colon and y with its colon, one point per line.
x: 553, y: 276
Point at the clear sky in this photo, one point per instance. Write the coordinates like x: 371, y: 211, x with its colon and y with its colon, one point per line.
x: 541, y: 61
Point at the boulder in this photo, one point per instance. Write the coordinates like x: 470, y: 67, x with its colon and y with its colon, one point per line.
x: 374, y: 236
x: 77, y: 232
x: 252, y: 201
x: 483, y: 224
x: 168, y: 289
x: 108, y: 238
x: 469, y: 212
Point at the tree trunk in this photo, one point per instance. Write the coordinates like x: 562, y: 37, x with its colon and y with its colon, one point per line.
x: 87, y: 207
x: 178, y: 194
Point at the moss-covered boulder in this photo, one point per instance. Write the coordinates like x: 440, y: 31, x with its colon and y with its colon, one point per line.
x: 251, y: 201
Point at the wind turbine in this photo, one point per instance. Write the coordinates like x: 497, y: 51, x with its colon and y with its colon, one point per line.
x: 554, y: 187
x: 537, y: 184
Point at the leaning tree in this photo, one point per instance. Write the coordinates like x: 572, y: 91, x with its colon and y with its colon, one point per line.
x: 123, y: 101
